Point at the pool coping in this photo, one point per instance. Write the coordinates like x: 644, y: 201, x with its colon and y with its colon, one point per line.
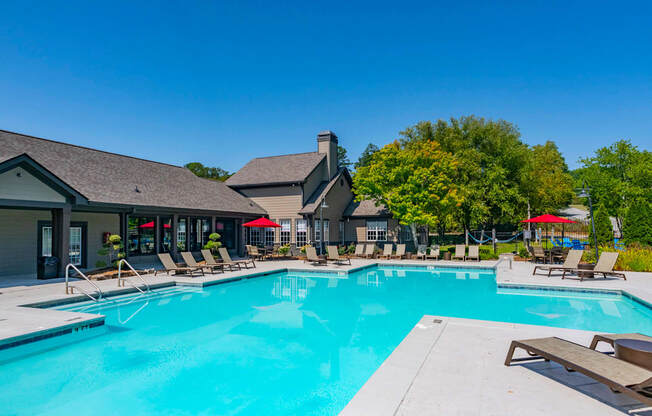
x: 93, y: 319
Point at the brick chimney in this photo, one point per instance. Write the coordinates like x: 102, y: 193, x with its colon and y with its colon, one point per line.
x: 327, y: 144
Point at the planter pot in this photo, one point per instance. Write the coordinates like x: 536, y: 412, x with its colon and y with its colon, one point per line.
x: 447, y: 255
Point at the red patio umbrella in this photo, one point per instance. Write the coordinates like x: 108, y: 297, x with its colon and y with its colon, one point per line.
x: 549, y: 219
x: 261, y: 222
x: 151, y: 225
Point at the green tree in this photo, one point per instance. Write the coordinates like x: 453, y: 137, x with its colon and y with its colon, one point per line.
x: 547, y: 182
x: 415, y: 180
x: 617, y: 176
x: 365, y: 157
x: 603, y: 228
x: 637, y: 224
x: 342, y: 158
x: 202, y: 171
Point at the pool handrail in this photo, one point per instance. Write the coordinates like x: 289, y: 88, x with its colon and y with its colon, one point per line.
x: 69, y: 287
x: 120, y: 279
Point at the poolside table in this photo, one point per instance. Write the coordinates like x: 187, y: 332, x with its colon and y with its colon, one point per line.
x: 635, y: 351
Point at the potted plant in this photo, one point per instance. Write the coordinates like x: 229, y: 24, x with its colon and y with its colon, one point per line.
x: 213, y: 243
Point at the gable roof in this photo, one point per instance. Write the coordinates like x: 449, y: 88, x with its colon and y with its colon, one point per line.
x: 110, y: 178
x: 276, y: 170
x: 322, y: 190
x: 366, y: 208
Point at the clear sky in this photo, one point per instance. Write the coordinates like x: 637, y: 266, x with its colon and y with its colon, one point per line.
x: 222, y: 82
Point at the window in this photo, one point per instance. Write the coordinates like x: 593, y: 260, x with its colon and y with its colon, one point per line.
x: 254, y: 236
x: 270, y: 236
x: 75, y: 247
x: 165, y: 231
x: 302, y: 232
x: 286, y: 231
x: 317, y: 231
x: 342, y: 232
x: 46, y: 246
x: 327, y: 231
x: 140, y: 236
x: 376, y: 230
x: 181, y: 234
x: 76, y: 242
x: 200, y: 229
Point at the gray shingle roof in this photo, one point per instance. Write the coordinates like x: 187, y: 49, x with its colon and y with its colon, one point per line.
x: 366, y: 208
x: 276, y: 170
x: 112, y: 178
x: 322, y: 190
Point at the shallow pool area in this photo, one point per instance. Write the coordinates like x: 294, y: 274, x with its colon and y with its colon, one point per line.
x: 284, y: 344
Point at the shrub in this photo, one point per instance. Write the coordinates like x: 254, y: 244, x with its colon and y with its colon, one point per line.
x: 213, y: 244
x: 635, y: 258
x: 603, y: 228
x: 303, y: 249
x: 637, y: 224
x: 351, y: 249
x: 486, y: 253
x: 342, y: 250
x: 112, y: 249
x: 284, y: 250
x: 523, y: 253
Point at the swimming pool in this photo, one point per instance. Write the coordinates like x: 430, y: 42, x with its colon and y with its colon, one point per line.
x: 284, y: 344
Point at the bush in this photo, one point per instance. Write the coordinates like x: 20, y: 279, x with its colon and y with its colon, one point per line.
x: 635, y: 258
x: 486, y: 253
x: 342, y: 250
x: 637, y: 224
x: 523, y: 253
x: 303, y: 249
x: 284, y: 250
x: 351, y: 249
x: 603, y: 228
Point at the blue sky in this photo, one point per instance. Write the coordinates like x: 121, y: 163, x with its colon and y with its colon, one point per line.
x: 221, y: 83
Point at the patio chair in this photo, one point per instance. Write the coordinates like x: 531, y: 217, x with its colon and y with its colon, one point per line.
x: 359, y: 250
x: 619, y: 375
x: 226, y: 258
x: 619, y: 245
x: 460, y: 252
x: 170, y: 266
x: 538, y: 253
x: 400, y: 251
x: 334, y: 256
x: 252, y: 252
x: 604, y: 266
x: 191, y: 262
x: 433, y: 253
x: 474, y: 253
x: 311, y: 257
x: 387, y: 251
x: 370, y: 251
x: 611, y: 338
x: 421, y: 251
x: 572, y: 261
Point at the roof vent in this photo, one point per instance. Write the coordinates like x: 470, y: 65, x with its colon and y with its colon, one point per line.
x: 136, y: 190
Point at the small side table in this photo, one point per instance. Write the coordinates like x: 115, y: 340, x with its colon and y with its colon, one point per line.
x: 447, y: 255
x: 634, y: 351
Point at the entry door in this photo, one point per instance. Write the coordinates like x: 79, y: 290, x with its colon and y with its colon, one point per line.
x: 76, y: 248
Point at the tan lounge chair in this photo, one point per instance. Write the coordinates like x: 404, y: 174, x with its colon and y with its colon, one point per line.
x: 311, y: 256
x: 370, y: 251
x: 433, y: 253
x: 619, y: 375
x: 359, y: 250
x: 400, y: 251
x: 334, y: 256
x: 572, y: 261
x: 460, y: 252
x: 191, y: 262
x: 226, y: 258
x: 605, y: 266
x: 170, y: 266
x: 210, y: 260
x: 474, y: 253
x: 611, y: 338
x: 387, y: 251
x: 421, y: 251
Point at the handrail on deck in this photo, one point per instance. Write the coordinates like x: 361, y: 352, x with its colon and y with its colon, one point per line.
x: 69, y: 287
x: 120, y: 279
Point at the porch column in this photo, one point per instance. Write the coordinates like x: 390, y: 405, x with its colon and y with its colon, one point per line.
x: 157, y: 233
x: 61, y: 236
x: 175, y: 225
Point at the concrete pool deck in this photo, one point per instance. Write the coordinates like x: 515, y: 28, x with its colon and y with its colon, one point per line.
x: 432, y: 374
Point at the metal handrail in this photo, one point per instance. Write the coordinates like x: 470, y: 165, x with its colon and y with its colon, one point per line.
x: 69, y: 288
x: 120, y: 263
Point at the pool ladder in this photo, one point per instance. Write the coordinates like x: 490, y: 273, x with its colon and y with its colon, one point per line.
x: 123, y: 280
x: 70, y: 288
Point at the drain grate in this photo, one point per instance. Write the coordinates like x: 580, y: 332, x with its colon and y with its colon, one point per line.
x: 437, y: 321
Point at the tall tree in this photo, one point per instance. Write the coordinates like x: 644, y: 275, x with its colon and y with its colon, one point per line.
x: 202, y: 171
x: 415, y: 180
x: 342, y: 158
x: 365, y: 157
x: 603, y: 228
x: 637, y: 224
x: 547, y: 182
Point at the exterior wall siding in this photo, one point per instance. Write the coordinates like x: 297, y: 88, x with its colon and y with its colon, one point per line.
x: 26, y: 187
x: 314, y: 180
x: 337, y: 199
x: 279, y: 201
x: 356, y: 229
x: 98, y: 223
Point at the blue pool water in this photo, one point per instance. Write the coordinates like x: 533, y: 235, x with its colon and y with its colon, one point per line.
x: 284, y: 344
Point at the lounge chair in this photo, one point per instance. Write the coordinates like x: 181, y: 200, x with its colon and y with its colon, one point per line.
x: 191, y: 262
x: 434, y: 253
x: 369, y: 251
x: 387, y: 251
x: 359, y: 250
x: 421, y: 251
x: 400, y: 251
x: 474, y: 253
x: 572, y: 261
x: 460, y: 252
x: 226, y: 258
x: 334, y: 256
x: 619, y: 375
x: 611, y: 338
x: 210, y: 260
x: 605, y: 266
x: 170, y: 266
x: 311, y: 256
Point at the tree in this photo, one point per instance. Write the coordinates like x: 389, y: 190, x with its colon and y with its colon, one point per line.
x: 618, y: 175
x: 547, y: 181
x: 365, y: 157
x: 342, y: 158
x: 603, y: 229
x: 202, y: 171
x: 637, y: 224
x: 415, y: 180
